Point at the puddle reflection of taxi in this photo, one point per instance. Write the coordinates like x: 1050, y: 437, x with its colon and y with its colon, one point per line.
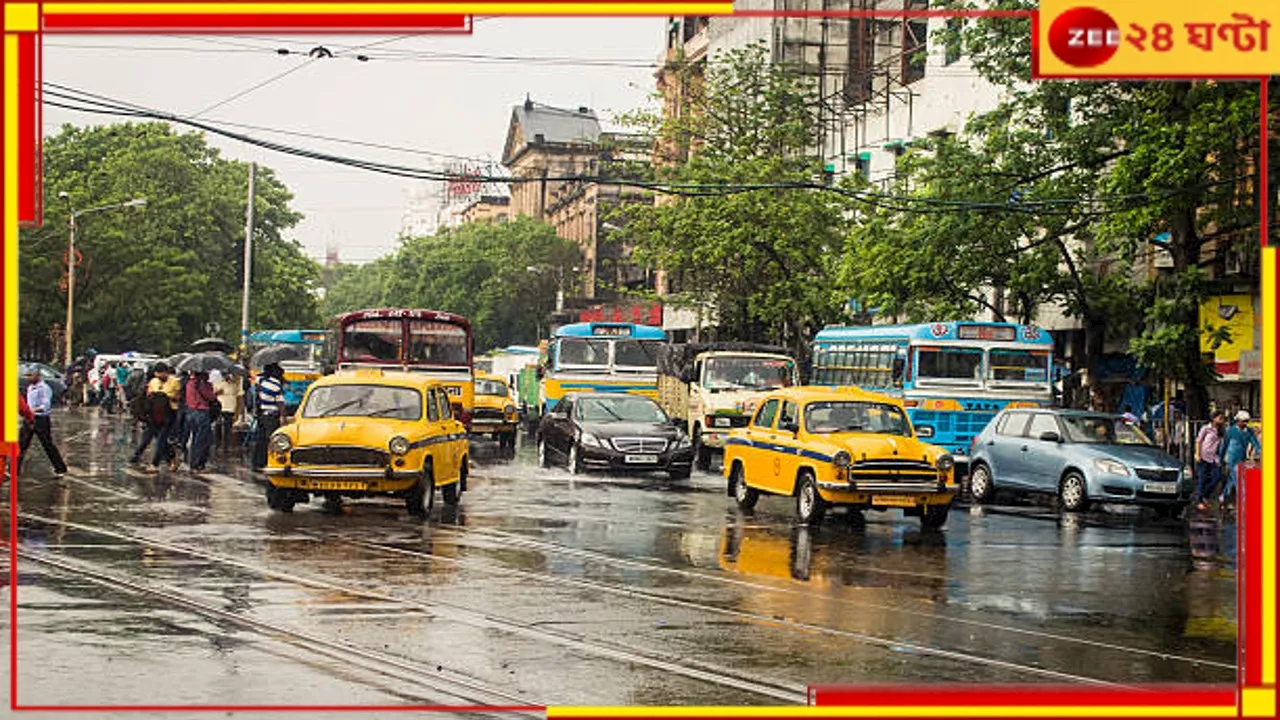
x: 367, y: 433
x: 495, y: 411
x: 841, y: 446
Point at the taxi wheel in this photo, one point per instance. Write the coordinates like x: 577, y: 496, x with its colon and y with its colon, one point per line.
x: 543, y: 459
x: 703, y: 453
x: 423, y: 495
x: 1073, y: 494
x: 745, y: 496
x: 810, y: 507
x: 280, y: 499
x: 980, y: 485
x: 451, y: 492
x: 934, y: 516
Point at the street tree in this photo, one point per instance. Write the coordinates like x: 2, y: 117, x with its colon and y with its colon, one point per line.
x: 153, y: 278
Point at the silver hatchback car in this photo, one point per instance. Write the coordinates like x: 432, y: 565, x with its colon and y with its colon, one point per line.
x: 1081, y: 457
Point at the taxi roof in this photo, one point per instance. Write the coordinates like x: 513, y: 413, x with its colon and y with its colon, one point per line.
x: 374, y: 376
x: 810, y: 393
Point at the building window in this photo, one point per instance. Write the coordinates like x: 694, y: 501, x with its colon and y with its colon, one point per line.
x: 914, y: 50
x: 951, y: 51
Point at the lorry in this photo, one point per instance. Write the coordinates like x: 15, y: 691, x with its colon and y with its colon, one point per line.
x: 714, y: 387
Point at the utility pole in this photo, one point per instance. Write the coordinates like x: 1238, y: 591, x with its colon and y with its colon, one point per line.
x: 248, y: 263
x: 71, y: 284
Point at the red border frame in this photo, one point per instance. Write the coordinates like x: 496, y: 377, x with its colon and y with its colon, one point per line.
x: 1249, y: 566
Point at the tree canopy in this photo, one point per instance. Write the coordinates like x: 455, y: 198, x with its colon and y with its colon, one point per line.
x: 151, y: 278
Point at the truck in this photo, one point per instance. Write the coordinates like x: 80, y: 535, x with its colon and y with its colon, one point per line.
x: 714, y: 387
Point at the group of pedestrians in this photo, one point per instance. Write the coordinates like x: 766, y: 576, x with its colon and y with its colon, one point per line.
x: 184, y: 417
x: 1219, y: 447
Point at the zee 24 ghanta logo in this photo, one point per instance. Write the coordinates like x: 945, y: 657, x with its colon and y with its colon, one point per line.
x: 1087, y: 37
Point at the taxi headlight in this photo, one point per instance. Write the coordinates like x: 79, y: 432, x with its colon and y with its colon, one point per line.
x: 509, y: 410
x: 945, y: 462
x: 842, y: 459
x: 1115, y: 467
x: 398, y: 445
x: 281, y: 443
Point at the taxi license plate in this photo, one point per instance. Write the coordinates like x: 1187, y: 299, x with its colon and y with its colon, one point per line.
x: 334, y: 485
x: 1169, y: 488
x: 894, y: 500
x: 641, y: 459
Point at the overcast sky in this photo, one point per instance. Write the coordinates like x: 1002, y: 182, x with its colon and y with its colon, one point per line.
x: 404, y: 96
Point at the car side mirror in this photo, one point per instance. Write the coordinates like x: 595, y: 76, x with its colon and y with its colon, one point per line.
x: 791, y: 427
x: 924, y: 431
x: 1051, y: 436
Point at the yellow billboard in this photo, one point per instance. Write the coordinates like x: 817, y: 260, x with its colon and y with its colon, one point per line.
x: 1235, y: 314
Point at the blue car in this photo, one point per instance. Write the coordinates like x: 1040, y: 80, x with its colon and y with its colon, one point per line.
x: 1081, y: 457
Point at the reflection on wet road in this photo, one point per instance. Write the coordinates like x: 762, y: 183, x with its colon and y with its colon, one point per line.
x: 549, y: 588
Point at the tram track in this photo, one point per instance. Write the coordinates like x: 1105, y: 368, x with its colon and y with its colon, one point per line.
x: 692, y: 669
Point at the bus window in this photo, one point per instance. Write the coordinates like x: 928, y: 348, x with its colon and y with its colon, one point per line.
x: 436, y: 342
x: 377, y: 340
x: 1019, y: 365
x: 636, y: 353
x: 581, y: 351
x: 950, y: 363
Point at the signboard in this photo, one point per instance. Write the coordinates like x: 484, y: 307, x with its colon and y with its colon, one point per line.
x: 611, y: 330
x: 1172, y: 38
x: 986, y: 332
x: 1234, y: 313
x: 1251, y: 365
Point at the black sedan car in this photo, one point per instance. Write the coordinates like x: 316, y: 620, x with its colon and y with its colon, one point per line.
x: 618, y: 432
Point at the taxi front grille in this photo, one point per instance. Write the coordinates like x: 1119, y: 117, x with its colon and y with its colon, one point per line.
x: 336, y: 455
x: 892, y: 470
x: 486, y: 414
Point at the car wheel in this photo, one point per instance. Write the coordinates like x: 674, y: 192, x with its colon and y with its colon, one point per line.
x: 933, y: 517
x: 1073, y: 494
x: 810, y: 507
x: 1170, y: 512
x: 543, y: 459
x: 980, y: 486
x: 423, y: 495
x: 679, y: 473
x: 575, y: 462
x: 280, y: 498
x: 451, y: 492
x: 745, y: 496
x: 702, y: 453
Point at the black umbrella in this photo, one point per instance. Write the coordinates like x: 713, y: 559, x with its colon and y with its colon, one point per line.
x: 173, y: 360
x: 212, y: 344
x: 278, y: 354
x: 204, y: 362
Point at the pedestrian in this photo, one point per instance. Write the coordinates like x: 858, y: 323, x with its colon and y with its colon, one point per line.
x: 1208, y: 447
x: 40, y: 402
x: 28, y: 419
x: 270, y: 404
x: 106, y: 390
x: 162, y: 407
x: 196, y: 418
x: 122, y: 380
x: 180, y: 433
x: 1239, y: 443
x: 229, y: 396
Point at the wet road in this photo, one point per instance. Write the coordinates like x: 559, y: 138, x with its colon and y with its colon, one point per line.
x: 544, y: 588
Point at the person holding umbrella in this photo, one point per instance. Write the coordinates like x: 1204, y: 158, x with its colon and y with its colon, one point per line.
x: 196, y: 421
x: 270, y: 409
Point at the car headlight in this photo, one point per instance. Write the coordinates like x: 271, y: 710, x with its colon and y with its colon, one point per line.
x: 1114, y: 467
x: 398, y: 445
x: 945, y: 462
x: 842, y: 459
x: 587, y: 438
x: 281, y: 443
x: 682, y: 441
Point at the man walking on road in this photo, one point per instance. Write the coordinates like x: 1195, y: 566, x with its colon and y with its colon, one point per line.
x: 1208, y: 445
x: 40, y: 400
x: 162, y: 406
x: 270, y: 404
x: 1239, y: 444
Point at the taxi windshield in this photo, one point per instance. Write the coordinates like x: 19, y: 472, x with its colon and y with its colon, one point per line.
x: 854, y: 416
x: 372, y: 401
x: 491, y: 387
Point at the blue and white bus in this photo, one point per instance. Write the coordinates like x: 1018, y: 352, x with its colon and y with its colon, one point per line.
x: 953, y: 377
x: 601, y: 357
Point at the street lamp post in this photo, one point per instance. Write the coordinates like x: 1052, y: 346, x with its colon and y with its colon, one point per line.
x: 71, y: 257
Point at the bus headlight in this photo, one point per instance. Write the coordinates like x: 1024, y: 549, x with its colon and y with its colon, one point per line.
x: 281, y: 443
x: 945, y: 462
x: 398, y: 445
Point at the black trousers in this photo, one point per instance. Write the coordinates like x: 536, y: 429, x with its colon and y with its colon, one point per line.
x: 268, y: 423
x: 42, y: 429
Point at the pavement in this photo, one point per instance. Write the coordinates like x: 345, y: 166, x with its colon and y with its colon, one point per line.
x: 545, y: 588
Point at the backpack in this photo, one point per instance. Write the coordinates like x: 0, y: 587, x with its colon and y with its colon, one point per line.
x: 158, y: 411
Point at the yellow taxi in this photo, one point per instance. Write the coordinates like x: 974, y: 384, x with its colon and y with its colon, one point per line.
x: 495, y: 411
x: 838, y: 446
x: 366, y: 433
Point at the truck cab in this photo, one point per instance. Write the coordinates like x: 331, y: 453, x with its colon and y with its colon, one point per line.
x: 715, y: 387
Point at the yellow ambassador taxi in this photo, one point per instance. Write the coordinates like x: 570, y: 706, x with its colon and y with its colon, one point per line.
x: 366, y: 433
x: 838, y: 446
x: 494, y: 410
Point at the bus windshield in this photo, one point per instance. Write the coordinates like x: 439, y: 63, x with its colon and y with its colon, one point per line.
x: 746, y: 373
x: 1018, y: 366
x: 437, y: 343
x: 635, y: 353
x: 372, y: 340
x: 579, y: 352
x: 950, y: 363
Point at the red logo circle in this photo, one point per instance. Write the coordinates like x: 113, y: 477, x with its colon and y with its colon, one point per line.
x: 1084, y: 37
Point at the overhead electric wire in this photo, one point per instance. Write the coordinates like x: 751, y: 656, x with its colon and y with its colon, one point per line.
x: 900, y: 203
x: 258, y: 86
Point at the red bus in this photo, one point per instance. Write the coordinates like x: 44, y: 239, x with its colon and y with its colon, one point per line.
x: 437, y: 344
